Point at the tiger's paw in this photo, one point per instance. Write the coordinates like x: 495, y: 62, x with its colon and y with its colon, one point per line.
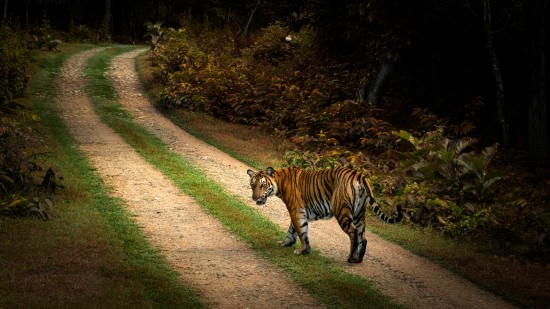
x: 355, y: 258
x: 302, y: 252
x: 287, y: 242
x: 352, y: 260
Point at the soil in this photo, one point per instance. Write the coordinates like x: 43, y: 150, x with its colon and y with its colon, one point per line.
x: 223, y: 270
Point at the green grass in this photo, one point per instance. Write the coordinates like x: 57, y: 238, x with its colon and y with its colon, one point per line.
x: 173, y: 116
x: 90, y: 254
x: 337, y: 288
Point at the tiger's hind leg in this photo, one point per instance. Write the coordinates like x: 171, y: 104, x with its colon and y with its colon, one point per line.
x: 291, y: 237
x: 356, y: 233
x: 345, y: 220
x: 361, y: 247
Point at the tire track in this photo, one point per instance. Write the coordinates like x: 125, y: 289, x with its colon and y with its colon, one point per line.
x: 409, y: 279
x: 224, y: 271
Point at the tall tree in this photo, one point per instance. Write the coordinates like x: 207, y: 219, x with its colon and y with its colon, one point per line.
x: 5, y: 13
x: 107, y: 18
x: 538, y: 112
x: 252, y: 11
x: 495, y: 66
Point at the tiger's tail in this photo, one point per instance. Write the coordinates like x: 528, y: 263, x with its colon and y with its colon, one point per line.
x: 378, y: 211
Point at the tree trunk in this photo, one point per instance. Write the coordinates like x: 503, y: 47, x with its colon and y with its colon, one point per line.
x: 250, y: 18
x: 78, y: 10
x: 381, y: 77
x: 27, y: 5
x: 501, y: 106
x: 157, y: 10
x: 107, y: 16
x: 538, y: 114
x: 167, y: 13
x: 5, y: 13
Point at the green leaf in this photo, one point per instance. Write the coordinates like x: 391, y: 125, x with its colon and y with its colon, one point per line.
x: 17, y: 202
x: 490, y: 182
x: 408, y: 137
x: 489, y: 152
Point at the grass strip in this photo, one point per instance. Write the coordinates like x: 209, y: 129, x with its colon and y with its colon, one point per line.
x: 321, y: 276
x: 203, y: 137
x: 141, y: 275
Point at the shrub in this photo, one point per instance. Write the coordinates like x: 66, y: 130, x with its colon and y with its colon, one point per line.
x: 14, y: 138
x: 82, y: 34
x: 270, y: 45
x: 156, y: 33
x: 17, y: 206
x: 15, y: 59
x: 17, y: 146
x: 439, y: 167
x: 18, y: 141
x: 168, y: 54
x: 444, y: 163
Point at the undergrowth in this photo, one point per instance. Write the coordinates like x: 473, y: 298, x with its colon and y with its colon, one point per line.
x: 25, y: 185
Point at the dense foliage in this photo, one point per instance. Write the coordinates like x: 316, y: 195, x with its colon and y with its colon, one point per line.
x: 14, y: 62
x: 19, y: 142
x: 272, y: 83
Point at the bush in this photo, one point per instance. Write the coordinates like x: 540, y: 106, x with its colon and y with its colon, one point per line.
x: 15, y: 139
x: 18, y: 142
x: 82, y: 34
x: 445, y: 164
x: 271, y: 46
x: 15, y: 60
x: 16, y: 206
x: 448, y: 186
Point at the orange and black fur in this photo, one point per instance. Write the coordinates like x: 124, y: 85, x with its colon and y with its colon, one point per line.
x: 313, y: 195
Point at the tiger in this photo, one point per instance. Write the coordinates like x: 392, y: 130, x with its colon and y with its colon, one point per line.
x: 312, y: 195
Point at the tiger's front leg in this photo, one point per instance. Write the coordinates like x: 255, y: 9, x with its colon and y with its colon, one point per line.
x: 291, y: 236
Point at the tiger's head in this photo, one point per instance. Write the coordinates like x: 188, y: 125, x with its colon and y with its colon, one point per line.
x: 262, y: 185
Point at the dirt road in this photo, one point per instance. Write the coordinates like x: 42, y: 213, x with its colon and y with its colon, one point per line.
x: 164, y: 215
x: 225, y: 272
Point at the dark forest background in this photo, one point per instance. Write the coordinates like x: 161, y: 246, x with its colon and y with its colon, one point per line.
x: 446, y: 56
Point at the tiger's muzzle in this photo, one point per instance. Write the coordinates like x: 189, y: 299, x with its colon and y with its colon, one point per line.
x: 262, y: 199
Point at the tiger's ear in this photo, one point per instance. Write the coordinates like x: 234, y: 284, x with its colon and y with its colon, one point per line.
x: 250, y: 173
x: 270, y: 171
